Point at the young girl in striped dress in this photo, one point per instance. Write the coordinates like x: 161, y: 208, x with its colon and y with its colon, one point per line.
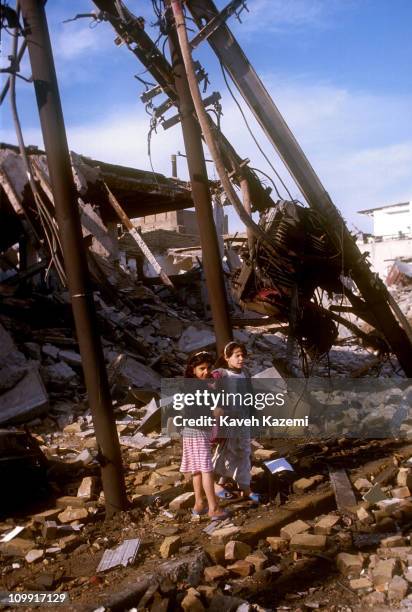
x: 197, y: 450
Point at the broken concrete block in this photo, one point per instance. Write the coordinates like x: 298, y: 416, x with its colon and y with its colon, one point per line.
x: 307, y: 541
x: 362, y: 484
x: 216, y: 552
x: 364, y: 516
x: 73, y: 428
x: 86, y: 488
x: 277, y: 544
x: 70, y: 501
x: 17, y: 547
x: 258, y: 559
x: 215, y: 572
x: 68, y: 543
x: 404, y: 477
x: 288, y: 531
x: 236, y: 550
x: 393, y: 541
x: 132, y: 373
x: 191, y: 601
x: 58, y: 375
x: 50, y: 351
x: 325, y: 525
x: 374, y: 600
x: 306, y: 484
x: 401, y: 492
x: 349, y: 565
x: 397, y: 589
x: 49, y: 530
x: 265, y: 454
x: 170, y: 546
x: 26, y: 400
x: 384, y: 571
x: 224, y: 534
x: 73, y: 514
x: 71, y: 358
x: 196, y: 337
x: 360, y: 584
x: 408, y: 575
x: 241, y: 568
x: 185, y: 500
x: 47, y: 515
x: 34, y: 555
x: 399, y: 552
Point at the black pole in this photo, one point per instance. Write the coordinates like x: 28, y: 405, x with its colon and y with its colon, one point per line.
x: 65, y: 198
x: 211, y: 259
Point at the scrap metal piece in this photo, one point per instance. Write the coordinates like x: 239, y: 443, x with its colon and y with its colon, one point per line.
x: 342, y: 488
x: 125, y: 554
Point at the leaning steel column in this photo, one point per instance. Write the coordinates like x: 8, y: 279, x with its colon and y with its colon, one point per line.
x: 65, y: 198
x: 211, y: 260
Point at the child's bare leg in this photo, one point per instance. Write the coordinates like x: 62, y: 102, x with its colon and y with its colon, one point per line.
x: 209, y: 488
x: 198, y: 490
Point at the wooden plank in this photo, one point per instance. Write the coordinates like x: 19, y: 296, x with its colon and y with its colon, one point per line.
x: 342, y: 488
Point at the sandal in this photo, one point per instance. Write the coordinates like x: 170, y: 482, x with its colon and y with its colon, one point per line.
x: 224, y: 494
x: 220, y: 517
x: 200, y: 512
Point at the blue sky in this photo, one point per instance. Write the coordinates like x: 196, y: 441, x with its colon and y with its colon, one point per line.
x: 339, y: 71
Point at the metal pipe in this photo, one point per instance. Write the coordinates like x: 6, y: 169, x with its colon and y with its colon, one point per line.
x: 211, y: 260
x: 65, y: 198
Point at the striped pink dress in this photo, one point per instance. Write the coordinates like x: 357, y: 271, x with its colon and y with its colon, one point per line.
x: 197, y: 451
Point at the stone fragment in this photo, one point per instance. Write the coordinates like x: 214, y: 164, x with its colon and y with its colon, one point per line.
x: 404, y: 478
x: 408, y: 575
x: 17, y: 547
x: 265, y: 454
x: 393, y: 541
x: 216, y: 552
x: 170, y: 546
x: 325, y: 525
x: 307, y: 541
x: 85, y: 488
x: 235, y: 550
x: 191, y: 601
x: 349, y: 565
x: 47, y: 515
x: 215, y: 572
x: 364, y: 516
x: 224, y: 534
x: 383, y: 572
x: 277, y: 544
x: 360, y: 584
x: 288, y: 531
x: 305, y: 484
x: 373, y: 600
x: 71, y: 357
x: 398, y: 552
x: 49, y: 530
x: 73, y: 514
x: 208, y: 591
x: 362, y: 484
x: 185, y: 500
x: 258, y: 559
x: 401, y: 493
x: 397, y: 589
x: 34, y: 555
x: 70, y: 501
x: 241, y: 568
x: 68, y: 543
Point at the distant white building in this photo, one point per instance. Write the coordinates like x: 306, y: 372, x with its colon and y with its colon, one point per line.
x: 393, y: 221
x: 392, y: 236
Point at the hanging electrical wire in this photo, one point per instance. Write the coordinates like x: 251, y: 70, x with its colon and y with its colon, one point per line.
x: 49, y: 224
x: 253, y: 136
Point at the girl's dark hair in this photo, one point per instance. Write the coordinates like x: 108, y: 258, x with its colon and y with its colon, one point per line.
x: 195, y: 360
x: 228, y: 352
